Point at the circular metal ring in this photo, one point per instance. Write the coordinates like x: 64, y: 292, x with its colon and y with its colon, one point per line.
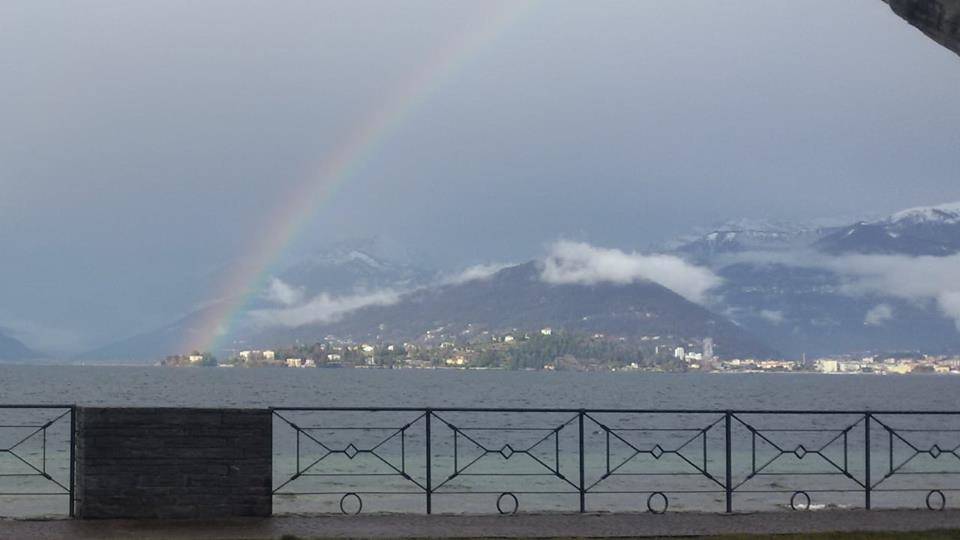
x: 793, y: 500
x: 666, y: 502
x: 943, y: 500
x: 516, y: 503
x: 359, y: 503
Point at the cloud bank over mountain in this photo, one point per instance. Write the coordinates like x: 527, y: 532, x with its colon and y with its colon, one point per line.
x: 581, y: 263
x: 322, y: 308
x: 566, y: 263
x: 280, y: 292
x: 475, y: 272
x: 918, y: 279
x: 878, y: 315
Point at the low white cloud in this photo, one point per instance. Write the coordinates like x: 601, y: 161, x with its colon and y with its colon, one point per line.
x: 878, y: 315
x: 950, y: 304
x: 475, y: 273
x: 281, y: 293
x: 912, y: 278
x: 922, y: 279
x: 772, y: 316
x: 581, y: 263
x: 323, y: 308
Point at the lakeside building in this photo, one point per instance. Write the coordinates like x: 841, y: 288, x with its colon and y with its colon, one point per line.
x: 547, y: 349
x: 890, y: 365
x: 828, y: 366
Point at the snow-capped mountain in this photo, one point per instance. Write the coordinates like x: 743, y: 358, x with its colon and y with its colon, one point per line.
x: 350, y: 267
x: 791, y: 289
x: 944, y: 213
x: 746, y: 235
x: 925, y: 230
x: 780, y: 282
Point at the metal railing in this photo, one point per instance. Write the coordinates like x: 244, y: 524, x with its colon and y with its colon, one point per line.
x: 612, y: 459
x: 484, y: 459
x: 36, y: 458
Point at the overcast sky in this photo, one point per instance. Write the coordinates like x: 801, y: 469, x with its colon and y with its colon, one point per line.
x: 143, y: 143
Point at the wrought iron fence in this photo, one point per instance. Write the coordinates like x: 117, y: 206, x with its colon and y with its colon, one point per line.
x: 501, y: 459
x: 36, y: 459
x: 481, y: 459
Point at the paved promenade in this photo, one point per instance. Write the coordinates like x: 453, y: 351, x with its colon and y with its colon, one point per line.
x: 524, y: 525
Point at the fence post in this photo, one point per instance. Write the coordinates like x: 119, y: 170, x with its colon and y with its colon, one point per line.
x: 866, y: 459
x: 729, y: 462
x: 583, y: 493
x: 429, y: 465
x: 73, y: 461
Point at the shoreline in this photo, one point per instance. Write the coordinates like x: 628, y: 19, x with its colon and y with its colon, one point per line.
x: 478, y: 369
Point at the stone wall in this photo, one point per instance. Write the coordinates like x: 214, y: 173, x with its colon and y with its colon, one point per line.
x: 173, y: 463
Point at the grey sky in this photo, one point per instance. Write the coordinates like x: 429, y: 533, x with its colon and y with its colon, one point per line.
x: 143, y: 143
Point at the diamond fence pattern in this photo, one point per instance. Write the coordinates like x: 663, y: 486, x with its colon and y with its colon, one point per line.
x: 595, y: 459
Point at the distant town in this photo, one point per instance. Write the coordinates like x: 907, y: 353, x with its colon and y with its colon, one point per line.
x: 549, y: 350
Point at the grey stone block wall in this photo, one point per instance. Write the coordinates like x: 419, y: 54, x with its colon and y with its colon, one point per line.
x: 173, y: 463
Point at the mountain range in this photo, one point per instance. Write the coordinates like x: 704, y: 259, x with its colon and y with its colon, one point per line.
x: 743, y: 236
x: 932, y: 230
x: 780, y: 289
x: 800, y: 288
x: 517, y: 298
x: 13, y: 349
x: 343, y: 268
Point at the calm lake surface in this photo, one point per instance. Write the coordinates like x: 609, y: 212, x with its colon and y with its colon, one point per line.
x: 153, y: 386
x: 639, y: 471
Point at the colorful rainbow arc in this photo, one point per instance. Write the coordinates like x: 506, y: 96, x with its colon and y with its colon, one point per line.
x: 249, y: 276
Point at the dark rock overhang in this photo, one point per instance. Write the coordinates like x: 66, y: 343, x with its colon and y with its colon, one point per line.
x: 938, y: 19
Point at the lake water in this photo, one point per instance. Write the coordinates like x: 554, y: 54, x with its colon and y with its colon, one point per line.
x: 151, y: 386
x: 630, y: 444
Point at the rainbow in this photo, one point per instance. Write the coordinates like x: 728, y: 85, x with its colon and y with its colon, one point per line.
x: 248, y: 277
